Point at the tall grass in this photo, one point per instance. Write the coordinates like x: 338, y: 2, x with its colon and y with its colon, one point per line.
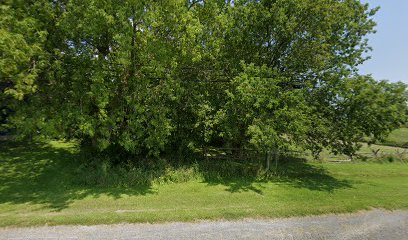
x: 105, y: 173
x: 161, y: 171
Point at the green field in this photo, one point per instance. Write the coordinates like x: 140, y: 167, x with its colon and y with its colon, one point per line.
x: 370, y: 153
x: 39, y: 185
x: 398, y: 138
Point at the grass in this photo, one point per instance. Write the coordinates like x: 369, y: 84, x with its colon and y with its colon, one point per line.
x: 397, y: 138
x: 373, y: 152
x: 46, y: 184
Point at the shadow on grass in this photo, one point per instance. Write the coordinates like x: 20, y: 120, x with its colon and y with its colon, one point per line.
x: 296, y: 172
x: 43, y: 174
x: 40, y: 173
x: 237, y: 177
x: 293, y: 172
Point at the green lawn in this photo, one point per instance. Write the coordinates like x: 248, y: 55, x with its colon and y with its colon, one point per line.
x: 37, y: 187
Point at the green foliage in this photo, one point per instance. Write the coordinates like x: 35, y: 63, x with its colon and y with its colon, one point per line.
x: 358, y: 107
x: 152, y: 77
x: 274, y: 118
x: 21, y: 49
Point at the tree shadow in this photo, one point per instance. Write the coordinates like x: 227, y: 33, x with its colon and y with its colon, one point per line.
x: 298, y: 173
x: 236, y: 185
x: 290, y: 171
x: 40, y: 173
x: 235, y: 176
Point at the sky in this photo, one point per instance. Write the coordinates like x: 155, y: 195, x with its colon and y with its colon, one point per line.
x: 389, y: 58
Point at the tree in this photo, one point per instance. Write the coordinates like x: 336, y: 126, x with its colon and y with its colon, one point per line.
x: 145, y: 77
x: 22, y: 53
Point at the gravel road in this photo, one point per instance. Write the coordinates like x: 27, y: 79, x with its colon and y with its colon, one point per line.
x: 375, y: 224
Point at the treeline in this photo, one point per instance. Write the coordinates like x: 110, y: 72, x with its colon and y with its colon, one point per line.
x: 152, y: 77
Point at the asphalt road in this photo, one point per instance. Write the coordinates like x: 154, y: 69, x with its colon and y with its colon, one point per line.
x: 375, y: 224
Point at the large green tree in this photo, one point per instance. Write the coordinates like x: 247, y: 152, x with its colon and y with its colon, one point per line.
x: 22, y: 56
x: 145, y: 77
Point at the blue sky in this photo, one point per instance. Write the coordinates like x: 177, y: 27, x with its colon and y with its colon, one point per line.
x: 390, y: 43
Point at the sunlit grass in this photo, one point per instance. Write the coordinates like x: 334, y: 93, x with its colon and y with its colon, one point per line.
x: 39, y: 185
x: 398, y: 138
x: 373, y: 153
